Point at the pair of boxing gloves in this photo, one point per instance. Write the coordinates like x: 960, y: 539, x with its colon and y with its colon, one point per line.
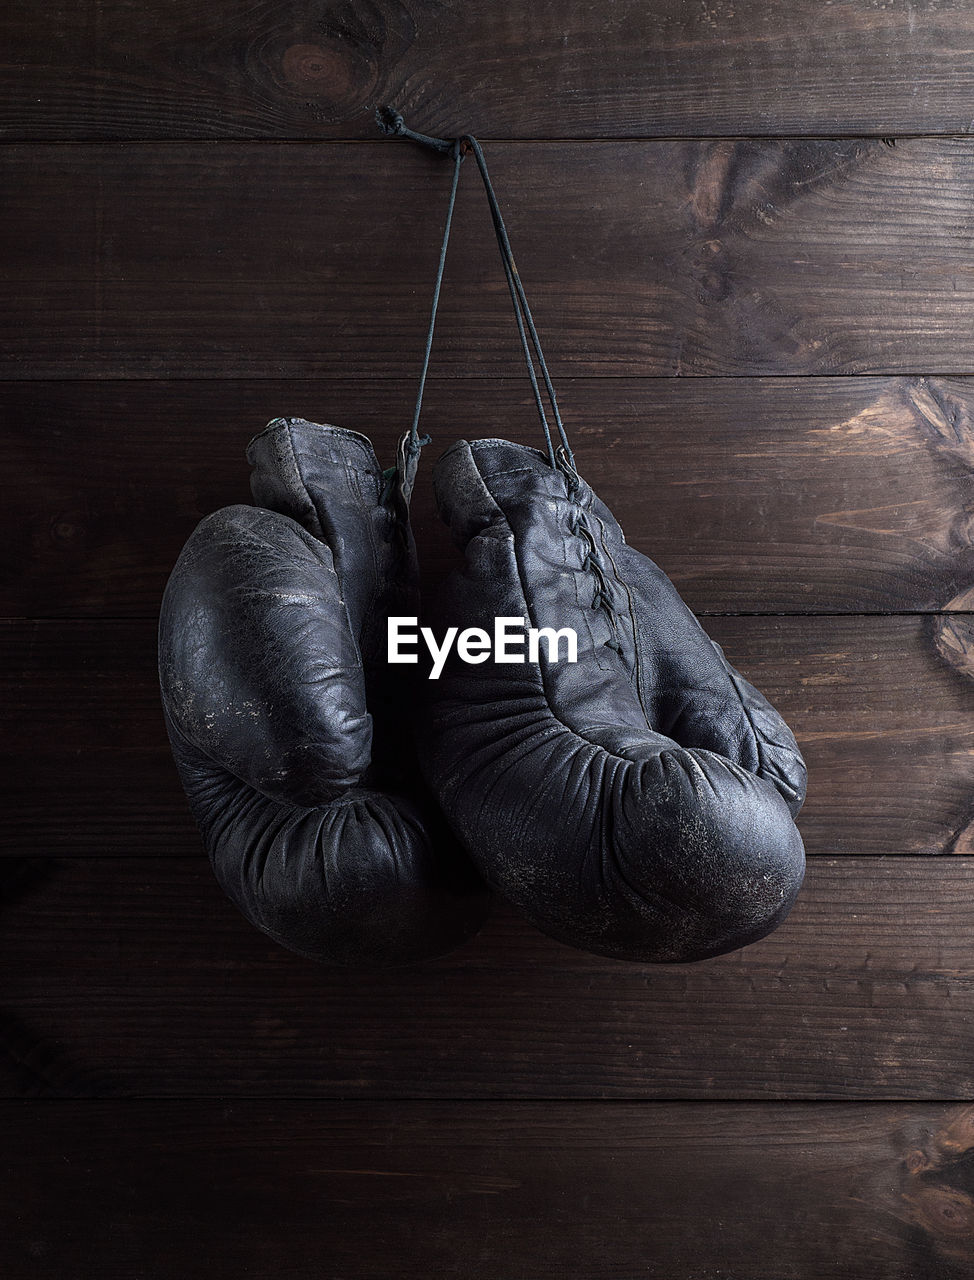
x: 638, y: 803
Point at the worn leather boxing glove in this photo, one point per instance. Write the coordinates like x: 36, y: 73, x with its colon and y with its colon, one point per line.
x: 638, y: 803
x: 289, y: 729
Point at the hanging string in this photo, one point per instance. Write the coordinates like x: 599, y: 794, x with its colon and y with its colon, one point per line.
x: 415, y: 443
x: 391, y: 122
x: 522, y: 313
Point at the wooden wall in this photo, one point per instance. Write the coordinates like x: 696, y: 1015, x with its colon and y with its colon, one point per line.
x: 746, y: 228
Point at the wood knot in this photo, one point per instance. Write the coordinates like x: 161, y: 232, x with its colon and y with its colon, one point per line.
x: 333, y: 76
x: 953, y: 638
x: 945, y: 1212
x: 67, y: 529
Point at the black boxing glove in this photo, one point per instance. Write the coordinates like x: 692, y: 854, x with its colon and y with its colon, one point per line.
x: 289, y: 730
x: 639, y: 802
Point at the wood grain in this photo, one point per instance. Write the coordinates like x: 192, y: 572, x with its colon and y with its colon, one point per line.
x: 263, y: 260
x: 564, y: 69
x: 883, y: 709
x: 477, y: 1191
x: 135, y: 977
x: 764, y: 495
x: 517, y: 1108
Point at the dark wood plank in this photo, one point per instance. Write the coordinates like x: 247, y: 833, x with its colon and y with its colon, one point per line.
x: 757, y: 495
x: 883, y: 709
x: 262, y: 260
x: 135, y: 977
x: 288, y: 69
x: 473, y: 1192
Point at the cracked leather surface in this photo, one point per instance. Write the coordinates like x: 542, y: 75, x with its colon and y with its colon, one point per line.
x: 638, y: 804
x: 291, y: 740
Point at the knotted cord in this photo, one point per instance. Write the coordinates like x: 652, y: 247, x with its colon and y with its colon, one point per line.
x: 391, y: 122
